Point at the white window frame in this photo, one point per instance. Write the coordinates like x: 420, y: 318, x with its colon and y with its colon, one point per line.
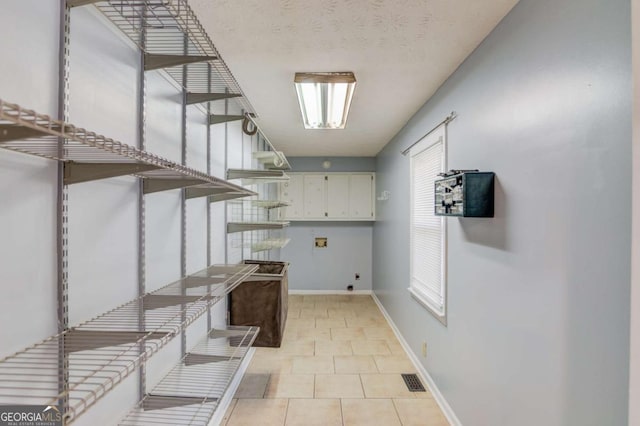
x: 438, y: 135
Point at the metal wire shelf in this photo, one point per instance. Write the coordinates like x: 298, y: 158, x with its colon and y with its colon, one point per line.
x: 269, y: 244
x: 102, y: 352
x: 254, y: 226
x: 264, y: 204
x: 190, y: 393
x: 90, y: 156
x: 171, y: 28
x: 251, y: 177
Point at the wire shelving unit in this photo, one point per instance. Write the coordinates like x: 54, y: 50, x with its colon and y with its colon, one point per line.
x: 174, y: 36
x: 102, y: 352
x: 89, y: 156
x: 190, y: 393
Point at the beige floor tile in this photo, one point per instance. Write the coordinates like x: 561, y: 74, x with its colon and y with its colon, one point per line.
x: 370, y: 347
x: 290, y: 334
x: 298, y: 323
x: 336, y: 297
x: 253, y: 385
x: 355, y: 364
x: 347, y: 334
x: 368, y: 412
x: 341, y: 313
x: 227, y: 414
x: 293, y: 312
x: 369, y: 313
x: 338, y: 386
x: 366, y: 322
x: 313, y: 313
x: 267, y: 351
x: 394, y: 364
x: 423, y: 395
x: 290, y: 386
x: 379, y: 333
x: 270, y: 364
x: 314, y: 412
x: 297, y: 347
x: 312, y: 365
x: 423, y: 412
x: 313, y: 334
x: 333, y: 347
x: 263, y: 412
x: 330, y: 323
x: 395, y: 347
x: 384, y: 386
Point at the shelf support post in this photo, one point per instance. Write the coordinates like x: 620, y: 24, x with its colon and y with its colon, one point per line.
x: 209, y: 254
x: 183, y: 193
x: 62, y: 210
x: 142, y: 123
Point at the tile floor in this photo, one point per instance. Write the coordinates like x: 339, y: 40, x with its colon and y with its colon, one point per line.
x: 339, y: 364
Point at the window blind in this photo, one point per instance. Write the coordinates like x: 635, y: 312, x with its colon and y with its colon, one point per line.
x: 427, y: 273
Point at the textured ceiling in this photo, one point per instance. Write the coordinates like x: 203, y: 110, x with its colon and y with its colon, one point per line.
x: 401, y: 51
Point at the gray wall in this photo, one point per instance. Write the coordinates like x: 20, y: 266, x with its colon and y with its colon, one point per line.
x: 538, y: 323
x: 634, y: 376
x: 338, y: 164
x: 349, y: 248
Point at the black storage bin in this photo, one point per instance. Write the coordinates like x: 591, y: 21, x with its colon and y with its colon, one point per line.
x: 261, y: 301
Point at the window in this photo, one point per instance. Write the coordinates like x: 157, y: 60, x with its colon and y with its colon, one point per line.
x: 427, y: 233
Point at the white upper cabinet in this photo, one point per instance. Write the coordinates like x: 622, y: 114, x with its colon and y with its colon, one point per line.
x: 292, y: 192
x: 314, y: 195
x: 361, y: 201
x: 338, y: 196
x: 329, y: 196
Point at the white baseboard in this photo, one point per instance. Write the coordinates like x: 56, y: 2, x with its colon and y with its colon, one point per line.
x: 325, y: 292
x: 424, y: 374
x: 225, y: 402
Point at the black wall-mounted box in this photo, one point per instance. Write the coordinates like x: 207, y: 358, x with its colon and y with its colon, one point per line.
x: 466, y: 194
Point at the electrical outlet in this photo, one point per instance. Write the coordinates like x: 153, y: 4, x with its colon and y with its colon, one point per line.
x: 357, y: 276
x: 424, y: 349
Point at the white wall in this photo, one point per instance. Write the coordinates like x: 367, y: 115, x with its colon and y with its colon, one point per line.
x: 538, y: 297
x: 28, y: 273
x: 103, y: 264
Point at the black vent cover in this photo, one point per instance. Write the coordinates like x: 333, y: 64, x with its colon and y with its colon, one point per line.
x: 413, y: 383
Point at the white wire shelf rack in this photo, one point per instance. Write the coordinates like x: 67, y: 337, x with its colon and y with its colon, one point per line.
x: 89, y: 156
x: 269, y: 244
x: 102, y: 352
x: 251, y: 177
x: 272, y: 160
x: 261, y: 243
x: 172, y: 30
x: 264, y: 204
x: 255, y: 226
x: 190, y: 393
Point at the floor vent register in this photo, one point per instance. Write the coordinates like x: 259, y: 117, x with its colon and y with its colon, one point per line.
x: 413, y: 383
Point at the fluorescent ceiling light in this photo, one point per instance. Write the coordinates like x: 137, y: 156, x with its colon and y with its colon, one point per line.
x: 325, y: 98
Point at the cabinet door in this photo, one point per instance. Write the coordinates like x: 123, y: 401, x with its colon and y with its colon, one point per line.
x: 291, y: 192
x: 314, y: 197
x: 361, y: 197
x: 338, y: 196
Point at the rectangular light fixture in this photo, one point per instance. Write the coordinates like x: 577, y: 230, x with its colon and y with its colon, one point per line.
x: 325, y: 98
